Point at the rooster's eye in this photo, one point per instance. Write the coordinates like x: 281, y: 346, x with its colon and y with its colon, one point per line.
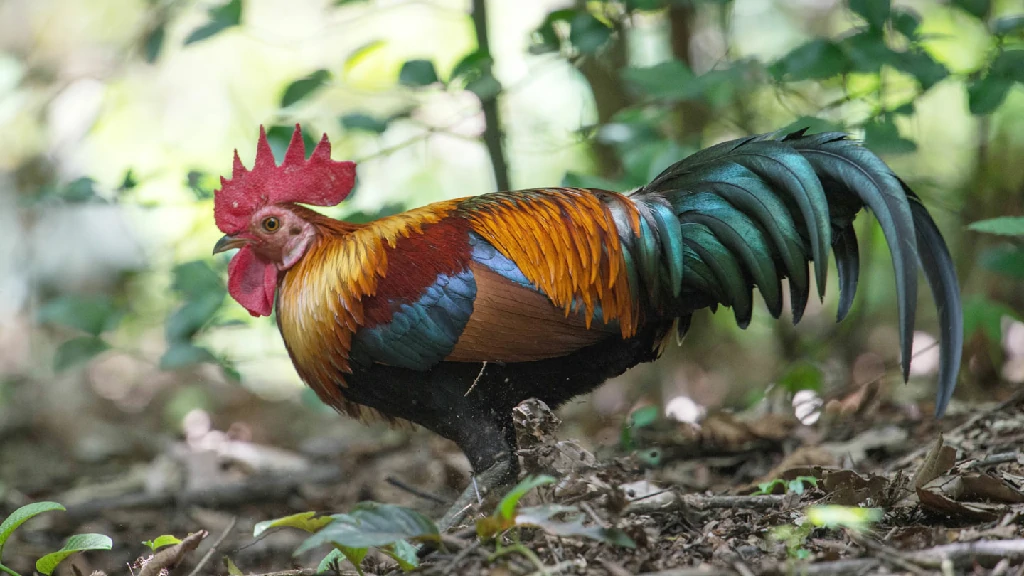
x: 271, y: 224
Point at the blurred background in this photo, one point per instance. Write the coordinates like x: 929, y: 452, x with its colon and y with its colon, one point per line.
x: 119, y: 116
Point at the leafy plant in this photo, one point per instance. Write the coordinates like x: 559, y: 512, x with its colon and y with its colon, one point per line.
x: 370, y: 525
x: 161, y: 541
x: 794, y: 486
x: 48, y: 563
x: 850, y: 517
x: 640, y: 418
x: 510, y: 516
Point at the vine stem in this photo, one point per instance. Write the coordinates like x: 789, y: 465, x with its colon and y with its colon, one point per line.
x: 8, y: 571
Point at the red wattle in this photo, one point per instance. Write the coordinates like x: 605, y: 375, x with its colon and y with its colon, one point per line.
x: 251, y: 282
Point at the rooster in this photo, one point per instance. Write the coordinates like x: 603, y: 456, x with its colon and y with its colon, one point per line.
x: 451, y: 314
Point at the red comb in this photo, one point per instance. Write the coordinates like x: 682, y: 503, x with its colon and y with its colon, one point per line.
x: 319, y: 181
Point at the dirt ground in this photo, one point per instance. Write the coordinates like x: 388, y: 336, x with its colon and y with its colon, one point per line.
x: 738, y: 494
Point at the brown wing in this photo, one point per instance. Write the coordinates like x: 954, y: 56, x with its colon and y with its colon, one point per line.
x: 513, y: 323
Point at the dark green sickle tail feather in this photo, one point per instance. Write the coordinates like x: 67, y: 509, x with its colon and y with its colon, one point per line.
x: 753, y: 211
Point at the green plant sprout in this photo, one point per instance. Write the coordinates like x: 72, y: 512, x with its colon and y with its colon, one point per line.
x: 48, y: 563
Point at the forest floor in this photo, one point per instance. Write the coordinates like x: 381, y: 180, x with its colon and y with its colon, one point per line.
x: 874, y: 490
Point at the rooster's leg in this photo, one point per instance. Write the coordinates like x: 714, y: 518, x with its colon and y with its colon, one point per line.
x: 487, y: 437
x: 485, y: 483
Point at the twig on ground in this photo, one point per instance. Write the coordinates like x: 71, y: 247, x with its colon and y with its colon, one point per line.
x: 701, y: 502
x: 994, y: 459
x: 703, y: 570
x: 209, y: 554
x: 886, y: 554
x: 984, y: 552
x: 172, y: 555
x: 742, y: 569
x: 414, y: 491
x: 1015, y: 399
x: 257, y: 489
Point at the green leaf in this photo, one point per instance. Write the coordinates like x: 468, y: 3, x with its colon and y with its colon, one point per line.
x: 373, y: 524
x: 507, y: 507
x: 485, y: 87
x: 769, y: 487
x: 875, y: 12
x: 919, y: 64
x: 279, y: 136
x: 181, y: 355
x: 852, y: 517
x: 645, y: 5
x: 796, y: 485
x: 542, y: 517
x: 977, y: 8
x: 417, y: 73
x: 196, y: 279
x: 651, y: 457
x: 353, y: 555
x: 201, y: 184
x: 302, y: 88
x: 986, y: 94
x: 545, y: 38
x: 404, y: 553
x: 588, y: 34
x: 90, y: 314
x: 1009, y: 64
x: 867, y: 51
x: 362, y: 122
x: 671, y: 80
x: 221, y: 18
x: 22, y: 515
x: 78, y: 350
x: 153, y: 42
x: 814, y: 60
x: 79, y: 191
x: 77, y: 543
x: 333, y: 558
x: 813, y: 125
x: 186, y: 321
x: 161, y: 541
x: 472, y: 66
x: 1004, y: 225
x: 1005, y: 259
x: 231, y: 568
x: 981, y: 313
x: 802, y: 376
x: 882, y: 137
x: 360, y: 54
x: 643, y: 417
x: 906, y: 22
x: 129, y: 182
x: 307, y: 521
x: 1008, y: 25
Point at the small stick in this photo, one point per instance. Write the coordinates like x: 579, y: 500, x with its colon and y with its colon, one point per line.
x: 414, y: 491
x: 209, y: 553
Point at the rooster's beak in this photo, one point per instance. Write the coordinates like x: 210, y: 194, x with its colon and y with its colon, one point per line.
x: 228, y: 242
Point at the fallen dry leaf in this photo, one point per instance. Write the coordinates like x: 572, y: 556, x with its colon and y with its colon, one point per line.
x: 938, y: 461
x: 974, y: 496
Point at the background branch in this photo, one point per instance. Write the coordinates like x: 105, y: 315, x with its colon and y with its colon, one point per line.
x: 493, y: 135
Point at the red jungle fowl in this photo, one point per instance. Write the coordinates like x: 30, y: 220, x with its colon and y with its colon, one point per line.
x: 451, y: 314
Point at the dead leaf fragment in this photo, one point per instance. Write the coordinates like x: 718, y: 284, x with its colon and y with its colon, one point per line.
x: 937, y: 462
x: 974, y: 496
